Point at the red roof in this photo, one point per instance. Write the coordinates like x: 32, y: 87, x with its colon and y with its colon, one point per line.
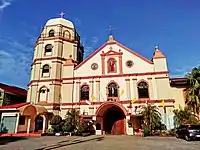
x: 13, y: 89
x: 178, y: 79
x: 13, y: 106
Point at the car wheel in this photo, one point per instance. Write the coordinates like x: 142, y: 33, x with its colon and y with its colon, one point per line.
x: 187, y: 138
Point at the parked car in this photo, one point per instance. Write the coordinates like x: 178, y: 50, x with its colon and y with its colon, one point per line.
x: 188, y: 132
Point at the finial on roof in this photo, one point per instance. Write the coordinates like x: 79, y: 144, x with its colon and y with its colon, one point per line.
x: 156, y: 47
x: 62, y: 14
x: 111, y: 38
x: 110, y: 29
x: 158, y: 53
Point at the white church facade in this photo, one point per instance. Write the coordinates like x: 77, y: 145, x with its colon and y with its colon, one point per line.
x: 109, y: 87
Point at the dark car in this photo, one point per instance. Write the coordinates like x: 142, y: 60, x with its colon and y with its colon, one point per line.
x: 188, y: 132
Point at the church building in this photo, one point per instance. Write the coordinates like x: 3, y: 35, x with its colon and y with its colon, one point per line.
x: 109, y: 87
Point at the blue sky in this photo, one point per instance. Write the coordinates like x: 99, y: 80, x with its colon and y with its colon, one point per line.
x: 138, y: 24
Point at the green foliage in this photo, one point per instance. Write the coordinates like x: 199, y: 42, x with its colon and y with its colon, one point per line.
x: 151, y: 117
x: 192, y: 92
x: 72, y: 118
x: 55, y: 120
x: 67, y: 127
x: 56, y: 123
x: 146, y: 132
x: 184, y: 116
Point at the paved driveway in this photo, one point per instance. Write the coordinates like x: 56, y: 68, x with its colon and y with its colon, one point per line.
x: 101, y: 143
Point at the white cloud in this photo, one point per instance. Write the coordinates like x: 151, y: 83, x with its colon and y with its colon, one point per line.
x: 4, y: 4
x: 182, y: 71
x: 89, y: 45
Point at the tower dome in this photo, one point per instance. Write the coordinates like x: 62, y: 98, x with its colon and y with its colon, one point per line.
x: 61, y: 21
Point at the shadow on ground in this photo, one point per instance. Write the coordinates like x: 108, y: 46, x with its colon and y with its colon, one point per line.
x: 8, y: 139
x: 70, y: 142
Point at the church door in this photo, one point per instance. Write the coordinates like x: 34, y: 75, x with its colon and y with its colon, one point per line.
x: 38, y: 123
x: 118, y: 127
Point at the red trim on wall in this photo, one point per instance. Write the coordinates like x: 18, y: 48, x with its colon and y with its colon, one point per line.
x: 103, y: 76
x: 119, y: 75
x: 105, y: 106
x: 93, y: 54
x: 47, y: 58
x: 122, y: 102
x: 68, y: 83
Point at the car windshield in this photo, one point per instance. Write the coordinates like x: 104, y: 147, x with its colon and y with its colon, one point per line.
x: 194, y: 127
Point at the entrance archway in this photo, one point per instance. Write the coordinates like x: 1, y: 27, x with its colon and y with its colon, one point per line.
x: 112, y: 117
x: 113, y: 121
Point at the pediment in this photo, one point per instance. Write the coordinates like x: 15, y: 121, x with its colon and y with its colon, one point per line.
x: 111, y: 52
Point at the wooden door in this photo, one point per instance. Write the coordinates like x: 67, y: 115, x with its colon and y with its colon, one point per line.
x: 118, y: 127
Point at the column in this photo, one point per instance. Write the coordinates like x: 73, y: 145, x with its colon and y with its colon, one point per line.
x: 29, y: 125
x: 135, y: 92
x: 44, y: 124
x: 120, y: 64
x: 150, y: 88
x: 98, y: 90
x: 128, y: 93
x: 91, y: 90
x: 78, y: 91
x: 155, y: 93
x: 103, y: 64
x: 17, y: 123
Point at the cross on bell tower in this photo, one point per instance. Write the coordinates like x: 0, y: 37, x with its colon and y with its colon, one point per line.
x: 62, y: 14
x: 110, y: 29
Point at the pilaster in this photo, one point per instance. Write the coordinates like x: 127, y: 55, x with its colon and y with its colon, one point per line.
x: 155, y: 92
x: 78, y: 91
x: 103, y: 64
x: 98, y: 90
x: 150, y: 88
x: 120, y: 64
x: 135, y: 92
x: 91, y: 93
x: 128, y: 88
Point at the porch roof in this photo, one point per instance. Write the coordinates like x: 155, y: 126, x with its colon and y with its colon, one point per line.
x: 13, y: 106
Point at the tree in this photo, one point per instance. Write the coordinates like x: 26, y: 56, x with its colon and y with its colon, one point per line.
x: 151, y: 117
x: 192, y: 92
x: 184, y: 116
x: 73, y: 118
x: 55, y: 122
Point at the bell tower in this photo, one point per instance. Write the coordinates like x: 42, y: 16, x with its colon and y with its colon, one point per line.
x: 57, y: 41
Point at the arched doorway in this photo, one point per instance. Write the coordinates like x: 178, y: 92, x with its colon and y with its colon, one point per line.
x: 39, y: 123
x: 112, y: 117
x: 113, y: 121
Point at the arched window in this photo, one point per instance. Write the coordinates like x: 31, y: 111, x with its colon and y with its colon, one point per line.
x: 143, y: 90
x: 45, y: 71
x: 43, y: 94
x: 51, y: 33
x: 48, y: 49
x: 85, y: 92
x: 112, y: 65
x: 67, y: 34
x: 112, y: 90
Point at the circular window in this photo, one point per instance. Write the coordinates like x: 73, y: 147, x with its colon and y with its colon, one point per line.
x: 129, y: 63
x: 94, y: 66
